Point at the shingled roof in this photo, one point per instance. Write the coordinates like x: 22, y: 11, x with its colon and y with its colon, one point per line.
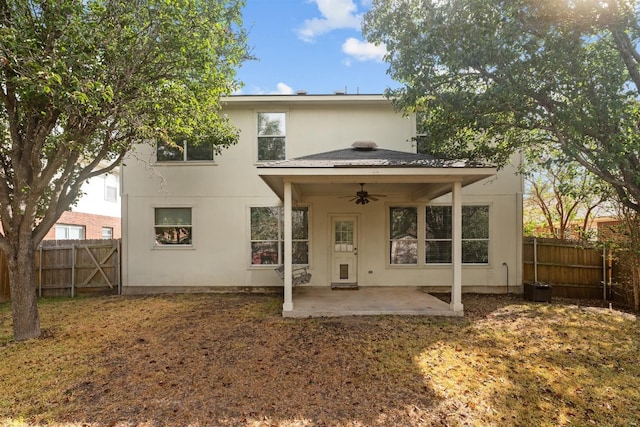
x: 372, y: 157
x: 364, y: 162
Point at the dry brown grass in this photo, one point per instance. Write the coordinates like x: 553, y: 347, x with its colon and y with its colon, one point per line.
x: 205, y: 360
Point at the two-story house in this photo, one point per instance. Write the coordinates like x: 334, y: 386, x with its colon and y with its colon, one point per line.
x: 96, y: 215
x: 331, y: 183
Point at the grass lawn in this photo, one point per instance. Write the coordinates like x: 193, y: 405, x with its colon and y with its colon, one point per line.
x: 211, y: 359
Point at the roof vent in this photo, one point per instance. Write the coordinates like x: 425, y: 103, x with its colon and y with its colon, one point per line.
x: 301, y: 92
x: 364, y: 146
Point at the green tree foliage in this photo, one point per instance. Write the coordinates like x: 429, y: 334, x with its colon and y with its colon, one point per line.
x: 496, y: 76
x: 561, y: 197
x: 83, y: 80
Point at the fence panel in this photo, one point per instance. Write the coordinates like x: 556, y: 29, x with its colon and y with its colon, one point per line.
x: 78, y: 267
x: 575, y: 269
x: 72, y: 267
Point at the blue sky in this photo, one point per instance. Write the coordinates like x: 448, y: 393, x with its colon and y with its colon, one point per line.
x: 312, y: 45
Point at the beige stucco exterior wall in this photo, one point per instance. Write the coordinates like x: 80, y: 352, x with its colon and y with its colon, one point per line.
x: 221, y: 194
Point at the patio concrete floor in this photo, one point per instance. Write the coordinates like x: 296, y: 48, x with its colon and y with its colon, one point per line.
x: 326, y: 302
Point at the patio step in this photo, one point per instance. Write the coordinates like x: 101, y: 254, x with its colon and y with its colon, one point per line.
x: 344, y: 286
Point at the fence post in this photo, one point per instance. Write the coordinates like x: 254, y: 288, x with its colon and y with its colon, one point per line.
x: 535, y: 260
x: 604, y: 273
x: 118, y: 267
x: 73, y: 269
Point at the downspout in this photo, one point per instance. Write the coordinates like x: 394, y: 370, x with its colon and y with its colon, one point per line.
x: 507, y: 266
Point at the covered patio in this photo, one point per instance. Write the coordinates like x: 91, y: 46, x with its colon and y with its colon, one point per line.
x: 420, y: 177
x: 366, y: 301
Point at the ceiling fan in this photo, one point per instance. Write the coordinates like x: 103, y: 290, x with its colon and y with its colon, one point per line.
x: 363, y: 197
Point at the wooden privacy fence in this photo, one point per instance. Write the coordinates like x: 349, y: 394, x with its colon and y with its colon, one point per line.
x: 73, y: 267
x: 69, y: 268
x: 574, y: 269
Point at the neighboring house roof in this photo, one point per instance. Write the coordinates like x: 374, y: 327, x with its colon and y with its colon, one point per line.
x: 431, y: 177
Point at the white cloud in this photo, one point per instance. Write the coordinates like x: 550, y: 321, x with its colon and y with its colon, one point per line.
x: 364, y: 51
x: 336, y: 14
x: 282, y: 89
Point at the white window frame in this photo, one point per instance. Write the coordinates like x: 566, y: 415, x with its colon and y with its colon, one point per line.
x: 185, y: 156
x: 488, y: 239
x: 280, y: 239
x: 422, y: 235
x: 110, y: 188
x: 419, y: 135
x: 173, y: 246
x: 391, y: 240
x: 283, y: 135
x: 69, y: 227
x: 110, y: 233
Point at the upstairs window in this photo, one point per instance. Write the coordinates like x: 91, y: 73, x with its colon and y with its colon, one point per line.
x: 422, y: 136
x: 110, y: 193
x: 271, y: 136
x: 111, y: 188
x: 184, y: 151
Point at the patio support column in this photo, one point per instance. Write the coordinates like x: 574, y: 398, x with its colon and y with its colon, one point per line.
x: 456, y: 247
x: 288, y: 294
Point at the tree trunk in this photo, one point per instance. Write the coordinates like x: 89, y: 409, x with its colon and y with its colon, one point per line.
x: 26, y: 321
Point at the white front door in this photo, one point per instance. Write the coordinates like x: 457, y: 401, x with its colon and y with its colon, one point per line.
x: 344, y: 249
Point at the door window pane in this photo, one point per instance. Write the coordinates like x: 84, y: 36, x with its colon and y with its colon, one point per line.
x: 344, y: 232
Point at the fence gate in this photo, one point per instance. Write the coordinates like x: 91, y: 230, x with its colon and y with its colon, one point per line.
x: 78, y: 267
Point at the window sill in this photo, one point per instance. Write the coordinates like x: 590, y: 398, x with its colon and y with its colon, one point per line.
x: 395, y: 266
x: 434, y: 265
x: 172, y: 247
x: 258, y: 267
x: 265, y: 162
x: 187, y: 163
